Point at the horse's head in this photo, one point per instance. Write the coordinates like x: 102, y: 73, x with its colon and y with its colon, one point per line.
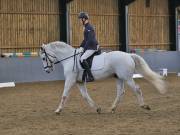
x: 54, y: 51
x: 48, y: 58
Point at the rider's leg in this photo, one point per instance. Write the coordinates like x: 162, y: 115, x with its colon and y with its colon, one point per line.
x: 86, y: 55
x: 87, y: 68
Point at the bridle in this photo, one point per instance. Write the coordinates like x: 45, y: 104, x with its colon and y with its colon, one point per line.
x: 47, y: 58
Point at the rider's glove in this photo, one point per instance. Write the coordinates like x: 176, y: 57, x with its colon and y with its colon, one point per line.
x: 81, y: 49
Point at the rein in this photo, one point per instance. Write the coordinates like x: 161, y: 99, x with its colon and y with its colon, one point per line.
x: 47, y: 57
x: 68, y: 57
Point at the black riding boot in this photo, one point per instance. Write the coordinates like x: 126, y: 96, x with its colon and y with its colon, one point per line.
x: 89, y: 77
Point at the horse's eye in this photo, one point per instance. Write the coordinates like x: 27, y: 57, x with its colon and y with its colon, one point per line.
x: 44, y: 59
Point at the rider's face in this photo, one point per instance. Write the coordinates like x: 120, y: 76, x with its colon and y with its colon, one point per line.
x: 82, y: 20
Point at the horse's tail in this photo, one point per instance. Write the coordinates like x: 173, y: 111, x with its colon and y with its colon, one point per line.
x: 143, y: 68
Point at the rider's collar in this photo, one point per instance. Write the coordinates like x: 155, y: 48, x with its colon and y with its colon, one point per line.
x: 86, y: 24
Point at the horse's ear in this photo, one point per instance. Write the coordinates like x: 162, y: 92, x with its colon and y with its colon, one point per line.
x: 41, y: 48
x: 43, y: 45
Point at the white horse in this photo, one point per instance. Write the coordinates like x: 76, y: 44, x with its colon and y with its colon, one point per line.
x: 116, y: 63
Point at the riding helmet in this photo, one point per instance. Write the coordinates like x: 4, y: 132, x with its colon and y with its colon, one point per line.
x: 83, y: 15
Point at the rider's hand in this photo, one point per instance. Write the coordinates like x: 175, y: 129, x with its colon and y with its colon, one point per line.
x: 81, y: 49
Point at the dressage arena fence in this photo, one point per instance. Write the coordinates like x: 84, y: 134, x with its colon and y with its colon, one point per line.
x: 25, y: 54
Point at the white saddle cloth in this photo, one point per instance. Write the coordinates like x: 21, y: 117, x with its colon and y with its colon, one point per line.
x: 98, y: 62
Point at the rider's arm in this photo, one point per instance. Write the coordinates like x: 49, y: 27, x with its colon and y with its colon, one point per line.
x: 83, y: 44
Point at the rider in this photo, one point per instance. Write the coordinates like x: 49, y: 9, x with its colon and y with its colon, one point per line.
x: 89, y: 45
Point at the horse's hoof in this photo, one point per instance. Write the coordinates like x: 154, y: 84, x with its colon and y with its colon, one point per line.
x: 98, y: 110
x: 146, y: 107
x: 58, y: 112
x: 113, y: 110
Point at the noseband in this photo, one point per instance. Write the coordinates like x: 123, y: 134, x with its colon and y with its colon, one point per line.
x: 47, y: 58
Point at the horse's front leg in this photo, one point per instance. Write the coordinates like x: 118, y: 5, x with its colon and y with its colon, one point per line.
x: 69, y: 82
x: 88, y: 99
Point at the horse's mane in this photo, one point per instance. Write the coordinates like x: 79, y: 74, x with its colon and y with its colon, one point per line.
x: 59, y: 44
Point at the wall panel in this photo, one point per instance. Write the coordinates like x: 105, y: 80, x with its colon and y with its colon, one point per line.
x: 103, y: 15
x: 26, y: 24
x: 149, y: 26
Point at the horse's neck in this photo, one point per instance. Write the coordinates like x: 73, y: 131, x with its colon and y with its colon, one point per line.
x: 64, y: 54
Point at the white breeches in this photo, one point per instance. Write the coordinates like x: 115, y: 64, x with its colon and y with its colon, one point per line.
x: 87, y: 54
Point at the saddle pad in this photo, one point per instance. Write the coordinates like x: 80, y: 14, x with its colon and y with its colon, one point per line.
x: 98, y: 62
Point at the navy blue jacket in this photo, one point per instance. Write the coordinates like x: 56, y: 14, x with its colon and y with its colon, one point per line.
x: 89, y: 42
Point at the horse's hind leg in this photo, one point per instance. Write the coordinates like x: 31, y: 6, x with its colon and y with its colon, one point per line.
x: 120, y: 93
x: 136, y: 89
x: 85, y: 95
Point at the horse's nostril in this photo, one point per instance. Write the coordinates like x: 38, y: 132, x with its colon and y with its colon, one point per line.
x: 47, y: 71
